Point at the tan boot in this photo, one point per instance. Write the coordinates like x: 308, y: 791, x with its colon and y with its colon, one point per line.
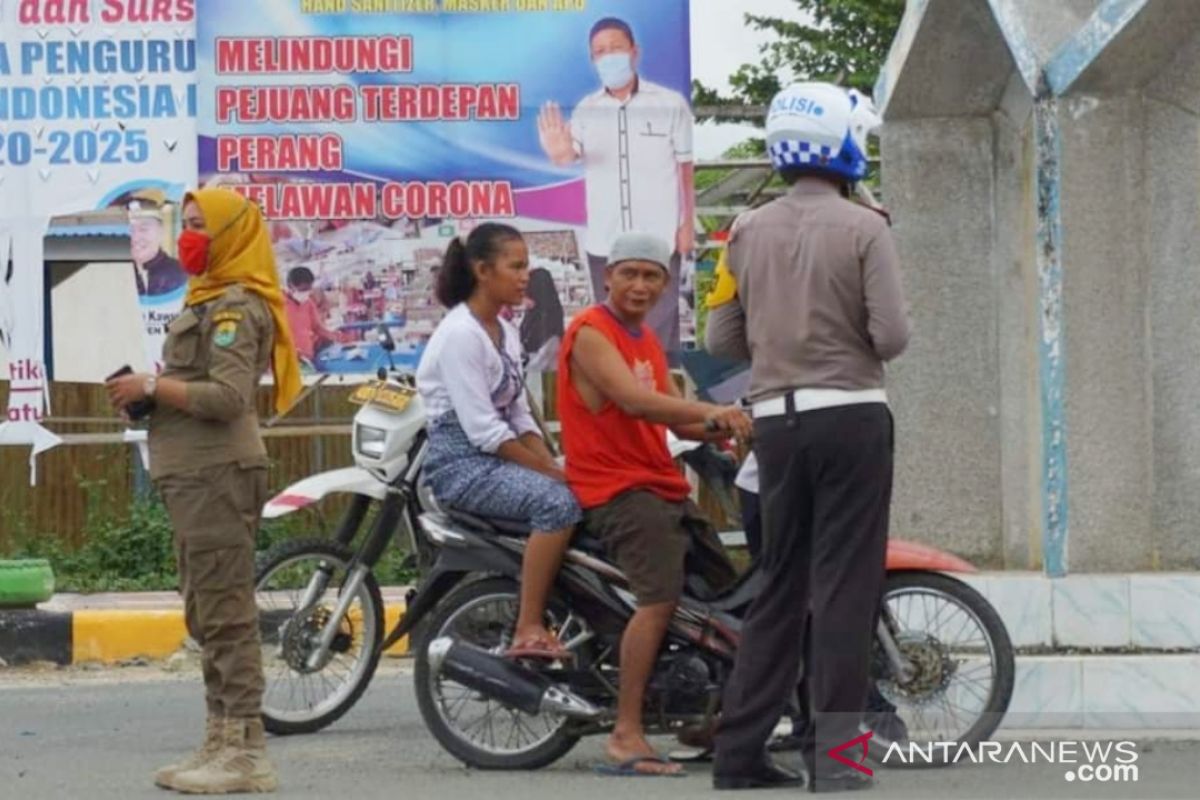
x: 214, y: 740
x: 240, y: 766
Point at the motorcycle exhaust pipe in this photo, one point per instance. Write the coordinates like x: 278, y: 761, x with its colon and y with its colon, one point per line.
x: 505, y: 681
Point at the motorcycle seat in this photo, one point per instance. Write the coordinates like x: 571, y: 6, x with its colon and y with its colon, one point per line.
x: 496, y: 526
x: 499, y: 526
x: 589, y: 544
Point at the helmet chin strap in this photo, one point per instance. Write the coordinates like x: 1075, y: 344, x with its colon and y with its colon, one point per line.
x: 867, y: 198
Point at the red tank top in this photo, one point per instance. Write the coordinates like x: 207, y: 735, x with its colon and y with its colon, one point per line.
x: 610, y: 452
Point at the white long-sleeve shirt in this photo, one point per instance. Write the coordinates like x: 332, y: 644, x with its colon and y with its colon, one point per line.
x: 747, y: 477
x: 463, y: 371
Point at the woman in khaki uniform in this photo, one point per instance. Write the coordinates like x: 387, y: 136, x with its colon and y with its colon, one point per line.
x: 209, y: 464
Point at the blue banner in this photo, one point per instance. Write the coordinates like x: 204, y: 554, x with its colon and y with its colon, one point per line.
x: 371, y: 132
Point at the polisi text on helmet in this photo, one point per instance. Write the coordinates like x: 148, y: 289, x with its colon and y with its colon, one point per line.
x: 797, y: 105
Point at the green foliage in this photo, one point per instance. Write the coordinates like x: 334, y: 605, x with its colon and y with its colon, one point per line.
x: 749, y: 149
x: 130, y: 550
x: 705, y: 279
x: 846, y: 44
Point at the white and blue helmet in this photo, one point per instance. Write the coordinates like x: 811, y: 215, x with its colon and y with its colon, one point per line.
x: 822, y: 127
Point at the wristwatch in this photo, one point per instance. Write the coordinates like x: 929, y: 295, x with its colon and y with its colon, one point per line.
x: 150, y: 385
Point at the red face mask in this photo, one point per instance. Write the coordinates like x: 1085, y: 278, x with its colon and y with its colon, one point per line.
x: 193, y: 251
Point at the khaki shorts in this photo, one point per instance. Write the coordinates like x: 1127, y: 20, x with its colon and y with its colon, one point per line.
x: 655, y: 542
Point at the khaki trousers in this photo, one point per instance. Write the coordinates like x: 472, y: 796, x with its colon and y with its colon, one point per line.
x: 215, y: 513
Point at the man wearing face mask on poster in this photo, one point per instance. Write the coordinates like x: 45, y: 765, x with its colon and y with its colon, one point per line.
x: 305, y: 317
x: 634, y: 139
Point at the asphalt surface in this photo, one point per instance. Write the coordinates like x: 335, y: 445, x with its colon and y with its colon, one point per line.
x: 101, y: 734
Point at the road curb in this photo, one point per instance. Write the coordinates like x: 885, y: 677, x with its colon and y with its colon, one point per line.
x: 110, y: 636
x: 28, y: 635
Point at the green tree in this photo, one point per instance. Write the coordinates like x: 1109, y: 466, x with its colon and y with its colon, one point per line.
x: 845, y: 42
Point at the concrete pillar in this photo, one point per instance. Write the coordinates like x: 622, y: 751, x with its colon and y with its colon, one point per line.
x: 1041, y: 160
x: 953, y: 154
x: 1131, y: 169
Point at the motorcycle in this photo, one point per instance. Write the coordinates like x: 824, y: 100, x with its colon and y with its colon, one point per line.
x: 321, y: 611
x: 942, y: 663
x: 323, y: 628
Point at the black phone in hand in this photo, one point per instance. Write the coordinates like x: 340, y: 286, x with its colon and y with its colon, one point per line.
x: 137, y: 410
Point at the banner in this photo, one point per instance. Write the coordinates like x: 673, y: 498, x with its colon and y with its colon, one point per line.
x: 371, y: 139
x: 97, y: 101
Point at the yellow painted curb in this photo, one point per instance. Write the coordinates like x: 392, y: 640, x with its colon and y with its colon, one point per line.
x: 111, y: 636
x: 391, y: 618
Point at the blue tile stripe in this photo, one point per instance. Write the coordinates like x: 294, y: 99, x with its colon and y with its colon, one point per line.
x: 1081, y: 50
x: 1051, y: 358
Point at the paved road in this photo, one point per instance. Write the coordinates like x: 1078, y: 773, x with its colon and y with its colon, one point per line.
x: 100, y: 735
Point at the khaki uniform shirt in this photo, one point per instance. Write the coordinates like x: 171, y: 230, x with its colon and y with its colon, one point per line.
x: 220, y: 349
x: 819, y: 300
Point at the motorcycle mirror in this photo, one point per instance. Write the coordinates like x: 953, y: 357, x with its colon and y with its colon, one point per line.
x: 389, y: 346
x: 385, y: 339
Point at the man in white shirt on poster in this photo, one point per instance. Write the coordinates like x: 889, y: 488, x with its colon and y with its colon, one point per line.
x: 634, y: 139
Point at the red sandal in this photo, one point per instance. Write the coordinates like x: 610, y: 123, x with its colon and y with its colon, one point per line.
x: 549, y: 649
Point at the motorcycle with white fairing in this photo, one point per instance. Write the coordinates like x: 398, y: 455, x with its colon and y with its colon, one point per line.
x: 321, y: 611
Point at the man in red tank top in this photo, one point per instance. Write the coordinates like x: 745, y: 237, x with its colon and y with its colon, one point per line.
x: 616, y: 401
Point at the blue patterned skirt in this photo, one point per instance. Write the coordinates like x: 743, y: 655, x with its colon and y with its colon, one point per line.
x: 466, y: 478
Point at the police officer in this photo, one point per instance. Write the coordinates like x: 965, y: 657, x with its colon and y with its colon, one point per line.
x: 209, y: 464
x: 813, y: 293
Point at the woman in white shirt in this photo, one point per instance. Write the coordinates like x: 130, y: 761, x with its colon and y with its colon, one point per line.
x: 486, y: 454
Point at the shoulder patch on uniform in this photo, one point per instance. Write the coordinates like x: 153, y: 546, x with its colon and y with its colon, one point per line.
x: 228, y: 316
x: 226, y: 333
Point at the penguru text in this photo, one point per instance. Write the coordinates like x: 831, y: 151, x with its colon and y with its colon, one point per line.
x: 390, y: 200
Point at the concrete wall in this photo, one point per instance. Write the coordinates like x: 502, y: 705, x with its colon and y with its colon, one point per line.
x: 1173, y: 209
x: 946, y: 389
x: 987, y: 207
x: 1014, y: 268
x: 965, y: 396
x: 1106, y: 288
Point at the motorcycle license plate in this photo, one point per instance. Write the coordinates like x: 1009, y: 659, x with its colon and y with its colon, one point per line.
x: 378, y: 393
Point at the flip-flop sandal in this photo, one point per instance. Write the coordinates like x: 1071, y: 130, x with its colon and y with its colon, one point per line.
x: 628, y: 768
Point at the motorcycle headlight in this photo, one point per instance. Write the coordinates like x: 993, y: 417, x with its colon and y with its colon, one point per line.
x: 370, y: 441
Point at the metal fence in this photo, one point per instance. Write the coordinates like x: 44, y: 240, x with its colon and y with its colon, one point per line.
x: 94, y: 471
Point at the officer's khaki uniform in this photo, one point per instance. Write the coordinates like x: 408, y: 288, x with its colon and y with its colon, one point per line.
x: 820, y: 308
x: 210, y: 467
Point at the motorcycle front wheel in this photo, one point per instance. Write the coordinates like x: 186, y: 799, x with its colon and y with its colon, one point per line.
x: 302, y: 696
x: 963, y: 672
